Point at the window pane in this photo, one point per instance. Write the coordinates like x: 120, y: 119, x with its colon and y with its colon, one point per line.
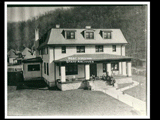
x: 34, y: 67
x: 104, y: 67
x: 72, y: 69
x: 45, y: 68
x: 100, y: 48
x: 70, y: 35
x: 97, y: 49
x: 87, y: 35
x: 66, y: 68
x: 105, y: 35
x: 80, y: 49
x: 115, y: 66
x: 109, y: 35
x: 91, y: 35
x: 114, y: 48
x: 63, y: 49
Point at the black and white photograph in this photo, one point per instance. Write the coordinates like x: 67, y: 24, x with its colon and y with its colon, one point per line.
x: 77, y: 60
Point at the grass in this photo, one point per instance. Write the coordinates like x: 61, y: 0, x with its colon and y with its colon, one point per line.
x: 34, y: 102
x: 140, y: 90
x: 124, y: 85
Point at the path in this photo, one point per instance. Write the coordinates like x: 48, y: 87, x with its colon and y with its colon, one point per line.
x: 137, y: 104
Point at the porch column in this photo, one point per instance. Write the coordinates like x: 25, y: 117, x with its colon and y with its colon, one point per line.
x: 123, y: 68
x: 87, y: 71
x: 109, y: 69
x: 63, y: 74
x: 129, y: 70
x: 120, y: 68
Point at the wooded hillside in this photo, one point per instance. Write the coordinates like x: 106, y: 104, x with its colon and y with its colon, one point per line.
x: 132, y: 20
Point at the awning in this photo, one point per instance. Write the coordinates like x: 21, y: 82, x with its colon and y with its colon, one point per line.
x: 92, y: 57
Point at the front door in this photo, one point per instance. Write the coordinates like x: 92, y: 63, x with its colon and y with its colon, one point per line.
x: 93, y: 69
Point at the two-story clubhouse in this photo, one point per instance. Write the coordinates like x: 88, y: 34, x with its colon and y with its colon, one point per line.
x: 64, y: 53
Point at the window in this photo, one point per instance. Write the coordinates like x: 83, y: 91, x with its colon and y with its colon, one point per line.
x: 44, y: 68
x: 39, y: 52
x: 99, y: 48
x: 47, y: 50
x: 89, y: 35
x: 104, y: 67
x: 47, y: 69
x: 114, y: 48
x: 35, y: 67
x: 43, y: 51
x: 63, y: 49
x: 107, y: 35
x: 70, y: 34
x: 71, y: 69
x: 114, y: 66
x: 80, y: 49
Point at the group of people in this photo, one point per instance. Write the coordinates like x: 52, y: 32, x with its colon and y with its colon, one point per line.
x: 109, y: 79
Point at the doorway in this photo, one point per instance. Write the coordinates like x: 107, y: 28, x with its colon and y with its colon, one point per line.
x: 93, y: 69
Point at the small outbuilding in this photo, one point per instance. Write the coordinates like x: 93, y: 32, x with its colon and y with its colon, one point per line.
x: 32, y: 69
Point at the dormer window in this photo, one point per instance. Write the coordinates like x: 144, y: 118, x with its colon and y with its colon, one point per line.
x: 70, y: 34
x: 107, y: 35
x: 89, y: 35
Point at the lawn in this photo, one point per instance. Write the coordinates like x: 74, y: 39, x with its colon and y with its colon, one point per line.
x: 124, y: 85
x: 35, y: 102
x: 140, y: 90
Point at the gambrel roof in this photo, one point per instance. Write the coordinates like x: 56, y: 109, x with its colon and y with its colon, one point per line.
x: 55, y: 36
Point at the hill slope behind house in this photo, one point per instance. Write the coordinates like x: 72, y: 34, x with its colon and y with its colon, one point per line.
x: 130, y: 19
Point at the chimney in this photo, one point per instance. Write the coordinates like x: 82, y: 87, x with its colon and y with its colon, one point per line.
x: 36, y: 34
x: 88, y: 27
x: 57, y: 26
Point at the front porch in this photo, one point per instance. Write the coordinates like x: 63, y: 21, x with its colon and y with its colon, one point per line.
x: 72, y: 71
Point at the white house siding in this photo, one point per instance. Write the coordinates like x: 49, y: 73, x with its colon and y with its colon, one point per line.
x: 123, y: 50
x: 55, y: 53
x: 48, y: 58
x: 89, y: 49
x: 31, y: 74
x: 108, y: 49
x: 70, y: 50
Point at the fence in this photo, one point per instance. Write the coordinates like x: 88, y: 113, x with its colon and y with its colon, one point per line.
x: 136, y: 71
x: 13, y: 77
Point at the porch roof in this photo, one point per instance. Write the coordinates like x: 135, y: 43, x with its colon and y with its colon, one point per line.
x: 32, y: 60
x: 92, y: 57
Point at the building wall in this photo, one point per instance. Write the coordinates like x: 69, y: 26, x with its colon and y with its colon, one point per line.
x: 31, y: 74
x: 11, y: 60
x: 89, y: 49
x: 55, y: 53
x: 48, y: 58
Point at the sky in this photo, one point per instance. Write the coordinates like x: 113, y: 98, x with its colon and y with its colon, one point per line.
x: 15, y: 14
